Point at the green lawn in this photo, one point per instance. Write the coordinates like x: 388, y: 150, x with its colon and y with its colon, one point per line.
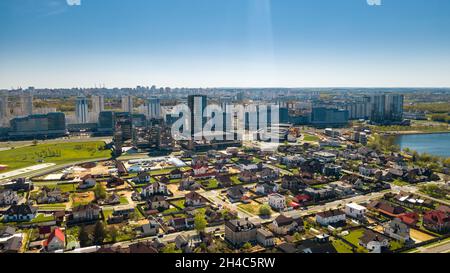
x: 52, y: 206
x: 210, y: 184
x: 123, y: 200
x: 354, y: 236
x: 235, y: 180
x: 341, y: 247
x: 310, y: 138
x: 58, y: 153
x: 41, y: 218
x: 178, y: 203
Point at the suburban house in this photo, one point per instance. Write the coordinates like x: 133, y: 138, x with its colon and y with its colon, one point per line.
x: 189, y: 184
x: 86, y: 213
x: 194, y: 199
x: 293, y: 183
x: 436, y: 220
x: 150, y: 229
x: 8, y: 197
x: 224, y: 181
x: 277, y: 201
x: 236, y: 193
x: 386, y: 208
x: 268, y: 174
x: 182, y: 223
x: 248, y: 176
x: 238, y: 232
x: 115, y: 181
x: 142, y: 178
x: 324, y: 193
x: 265, y: 237
x: 398, y: 230
x: 19, y: 213
x: 87, y: 181
x: 330, y: 217
x: 410, y: 218
x: 51, y: 196
x: 11, y: 244
x: 56, y: 241
x: 284, y: 225
x: 176, y: 174
x: 332, y: 170
x: 356, y: 211
x: 156, y: 188
x: 157, y: 202
x: 374, y: 242
x: 319, y: 244
x: 266, y: 188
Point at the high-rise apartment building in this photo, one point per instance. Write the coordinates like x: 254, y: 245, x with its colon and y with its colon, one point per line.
x: 127, y: 104
x: 26, y: 104
x: 197, y: 105
x: 153, y: 108
x: 82, y: 110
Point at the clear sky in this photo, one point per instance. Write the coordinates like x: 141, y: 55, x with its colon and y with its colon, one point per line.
x: 225, y: 43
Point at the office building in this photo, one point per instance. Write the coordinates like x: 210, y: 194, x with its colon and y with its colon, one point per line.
x: 38, y: 126
x: 322, y: 117
x: 82, y: 110
x: 124, y: 124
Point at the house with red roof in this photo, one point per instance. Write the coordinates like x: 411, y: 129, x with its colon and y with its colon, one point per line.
x: 410, y: 218
x: 436, y: 220
x: 56, y: 241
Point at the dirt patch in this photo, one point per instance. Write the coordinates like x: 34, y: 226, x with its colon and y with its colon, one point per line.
x: 420, y: 236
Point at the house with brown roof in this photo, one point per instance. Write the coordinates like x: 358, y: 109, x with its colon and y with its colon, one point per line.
x: 330, y: 217
x: 194, y: 199
x: 86, y: 213
x: 374, y: 242
x: 386, y: 208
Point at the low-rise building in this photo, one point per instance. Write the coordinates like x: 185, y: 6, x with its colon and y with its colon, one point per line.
x: 398, y: 230
x: 330, y: 217
x: 354, y: 210
x: 238, y: 232
x: 277, y: 201
x: 265, y: 237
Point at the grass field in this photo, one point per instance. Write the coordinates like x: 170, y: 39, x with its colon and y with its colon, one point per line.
x: 342, y: 247
x: 58, y: 153
x: 310, y: 138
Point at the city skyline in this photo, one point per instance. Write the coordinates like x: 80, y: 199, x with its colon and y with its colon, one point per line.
x: 224, y: 43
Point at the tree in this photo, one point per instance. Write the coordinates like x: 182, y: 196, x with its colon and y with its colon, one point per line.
x: 113, y: 233
x: 100, y: 191
x: 247, y: 246
x: 200, y: 222
x: 265, y: 210
x: 83, y: 237
x: 170, y: 248
x: 99, y: 233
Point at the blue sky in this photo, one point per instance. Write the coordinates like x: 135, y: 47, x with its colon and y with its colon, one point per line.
x: 225, y: 43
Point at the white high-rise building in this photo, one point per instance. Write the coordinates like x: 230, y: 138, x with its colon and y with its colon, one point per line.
x: 4, y: 110
x: 26, y: 104
x: 127, y: 104
x: 153, y: 108
x: 82, y: 110
x: 98, y: 104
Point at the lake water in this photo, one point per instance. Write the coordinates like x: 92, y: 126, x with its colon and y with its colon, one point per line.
x: 435, y: 144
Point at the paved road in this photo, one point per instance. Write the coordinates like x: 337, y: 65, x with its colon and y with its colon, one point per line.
x: 439, y: 248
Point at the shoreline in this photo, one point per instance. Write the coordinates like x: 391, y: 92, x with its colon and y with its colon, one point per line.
x: 400, y: 133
